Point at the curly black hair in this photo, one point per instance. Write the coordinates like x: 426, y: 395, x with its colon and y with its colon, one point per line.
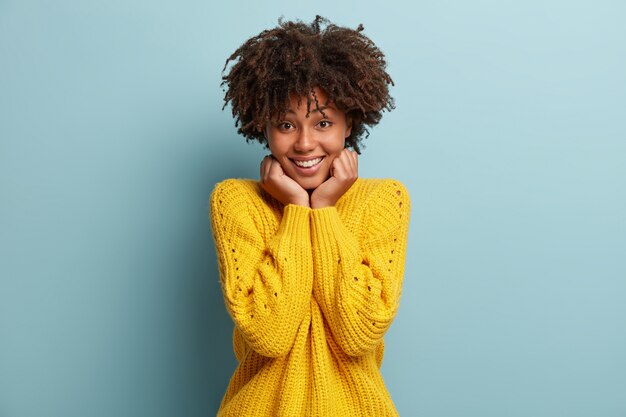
x: 294, y: 58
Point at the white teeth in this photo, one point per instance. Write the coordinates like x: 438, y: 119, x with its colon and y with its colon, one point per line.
x: 307, y: 164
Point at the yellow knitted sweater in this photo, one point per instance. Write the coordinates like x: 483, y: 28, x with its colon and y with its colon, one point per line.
x: 312, y: 293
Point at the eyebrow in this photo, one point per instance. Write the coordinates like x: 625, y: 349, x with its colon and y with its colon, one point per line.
x: 316, y: 110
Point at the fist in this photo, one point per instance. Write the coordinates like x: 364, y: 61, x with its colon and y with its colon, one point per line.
x: 279, y: 185
x: 343, y: 173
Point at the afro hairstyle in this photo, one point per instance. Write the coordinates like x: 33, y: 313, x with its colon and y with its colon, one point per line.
x: 294, y: 58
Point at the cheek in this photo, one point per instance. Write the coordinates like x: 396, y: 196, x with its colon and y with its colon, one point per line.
x: 274, y: 146
x: 336, y: 145
x: 337, y: 149
x: 331, y: 159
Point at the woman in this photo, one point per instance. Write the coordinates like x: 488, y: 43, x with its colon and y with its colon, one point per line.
x: 311, y: 256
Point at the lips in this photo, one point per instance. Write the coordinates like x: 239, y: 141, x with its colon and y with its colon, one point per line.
x: 308, y: 163
x: 309, y: 166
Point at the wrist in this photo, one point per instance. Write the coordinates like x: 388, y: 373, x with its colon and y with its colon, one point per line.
x: 316, y: 204
x: 300, y: 202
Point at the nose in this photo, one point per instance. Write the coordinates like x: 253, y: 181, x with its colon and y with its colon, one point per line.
x: 305, y: 142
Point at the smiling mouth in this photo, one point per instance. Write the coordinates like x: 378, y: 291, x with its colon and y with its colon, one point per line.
x: 308, y: 164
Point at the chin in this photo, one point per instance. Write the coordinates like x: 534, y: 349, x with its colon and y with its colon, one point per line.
x: 310, y: 183
x: 310, y: 186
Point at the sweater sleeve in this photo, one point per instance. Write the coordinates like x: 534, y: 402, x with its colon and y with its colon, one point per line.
x: 358, y: 282
x: 266, y: 280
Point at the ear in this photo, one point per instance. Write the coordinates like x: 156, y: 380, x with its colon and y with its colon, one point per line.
x: 349, y: 128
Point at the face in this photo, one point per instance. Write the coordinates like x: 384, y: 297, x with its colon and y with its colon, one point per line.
x: 304, y: 146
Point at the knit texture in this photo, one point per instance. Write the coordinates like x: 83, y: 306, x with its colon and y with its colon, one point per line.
x: 311, y: 293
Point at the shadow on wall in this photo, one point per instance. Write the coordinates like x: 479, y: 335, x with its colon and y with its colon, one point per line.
x: 227, y: 163
x: 222, y: 362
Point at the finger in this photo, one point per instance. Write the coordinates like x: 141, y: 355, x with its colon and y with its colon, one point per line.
x: 349, y: 158
x: 354, y: 161
x: 347, y: 163
x: 339, y: 166
x: 275, y: 169
x: 265, y: 167
x: 261, y: 166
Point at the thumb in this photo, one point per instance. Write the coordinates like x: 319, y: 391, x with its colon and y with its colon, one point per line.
x: 333, y: 167
x: 275, y: 167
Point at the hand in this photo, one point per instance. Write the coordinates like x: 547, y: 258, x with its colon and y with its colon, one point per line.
x: 281, y: 186
x: 343, y: 173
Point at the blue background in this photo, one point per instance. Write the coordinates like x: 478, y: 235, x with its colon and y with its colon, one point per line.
x: 509, y: 132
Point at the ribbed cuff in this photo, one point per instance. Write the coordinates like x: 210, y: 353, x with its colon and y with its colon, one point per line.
x: 295, y: 220
x: 293, y: 234
x: 330, y: 235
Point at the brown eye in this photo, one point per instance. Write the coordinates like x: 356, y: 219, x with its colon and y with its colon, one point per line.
x: 324, y: 124
x: 285, y: 125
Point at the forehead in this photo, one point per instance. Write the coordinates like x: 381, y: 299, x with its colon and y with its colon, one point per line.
x: 330, y: 107
x: 292, y: 106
